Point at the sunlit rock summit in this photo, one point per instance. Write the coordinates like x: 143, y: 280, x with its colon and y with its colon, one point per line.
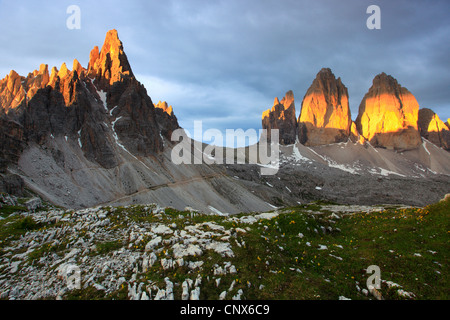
x: 79, y: 103
x: 282, y: 117
x: 110, y: 65
x: 84, y: 136
x: 325, y: 115
x: 432, y: 128
x: 388, y: 115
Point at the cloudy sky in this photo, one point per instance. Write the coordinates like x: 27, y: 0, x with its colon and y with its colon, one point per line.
x: 224, y: 62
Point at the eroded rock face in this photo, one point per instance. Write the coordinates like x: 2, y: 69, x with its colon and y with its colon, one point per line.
x: 11, y: 142
x: 388, y: 115
x: 167, y: 119
x: 111, y: 64
x: 12, y: 92
x: 433, y: 129
x: 102, y: 107
x: 325, y: 116
x: 282, y: 117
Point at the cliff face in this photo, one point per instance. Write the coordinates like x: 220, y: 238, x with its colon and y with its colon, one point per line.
x: 102, y: 107
x: 325, y: 115
x: 110, y: 65
x: 166, y: 119
x: 388, y: 115
x: 433, y: 129
x: 282, y: 117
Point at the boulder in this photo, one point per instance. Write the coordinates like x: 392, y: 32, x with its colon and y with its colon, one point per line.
x: 446, y: 198
x: 33, y: 204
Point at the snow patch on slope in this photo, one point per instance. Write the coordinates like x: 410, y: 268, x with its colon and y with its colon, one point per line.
x: 102, y: 95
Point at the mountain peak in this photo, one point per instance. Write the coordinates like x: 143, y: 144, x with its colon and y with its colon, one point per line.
x: 11, y: 91
x: 110, y: 64
x: 77, y: 66
x: 63, y: 71
x: 112, y: 40
x: 165, y: 107
x: 325, y: 114
x: 388, y: 115
x: 276, y: 101
x: 325, y: 71
x: 282, y: 117
x: 288, y: 100
x: 432, y: 128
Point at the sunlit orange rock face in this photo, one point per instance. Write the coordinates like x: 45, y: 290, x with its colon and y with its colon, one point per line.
x: 81, y: 105
x: 433, y: 129
x: 11, y: 91
x: 36, y: 80
x: 325, y: 115
x: 282, y: 117
x: 166, y: 118
x: 16, y: 90
x: 110, y: 65
x: 164, y: 107
x: 388, y: 115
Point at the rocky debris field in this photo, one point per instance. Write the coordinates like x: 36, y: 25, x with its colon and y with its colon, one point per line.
x: 146, y: 252
x: 302, y: 180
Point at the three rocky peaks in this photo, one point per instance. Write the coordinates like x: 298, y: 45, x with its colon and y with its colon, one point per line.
x: 83, y: 105
x: 389, y: 116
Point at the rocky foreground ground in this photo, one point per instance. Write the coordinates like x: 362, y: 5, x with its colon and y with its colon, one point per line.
x: 314, y: 251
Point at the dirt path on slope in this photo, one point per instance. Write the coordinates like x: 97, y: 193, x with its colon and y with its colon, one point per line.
x: 165, y: 185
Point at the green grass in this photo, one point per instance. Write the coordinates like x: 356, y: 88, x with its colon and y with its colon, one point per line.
x: 106, y: 247
x: 389, y: 239
x: 7, y: 210
x: 274, y: 253
x: 12, y: 227
x: 273, y: 262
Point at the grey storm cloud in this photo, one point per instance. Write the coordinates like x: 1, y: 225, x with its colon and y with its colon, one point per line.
x: 224, y: 62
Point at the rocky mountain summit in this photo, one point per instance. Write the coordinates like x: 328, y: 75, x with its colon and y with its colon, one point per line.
x: 434, y: 129
x: 93, y: 135
x: 325, y: 116
x: 282, y: 117
x: 388, y: 115
x: 84, y: 104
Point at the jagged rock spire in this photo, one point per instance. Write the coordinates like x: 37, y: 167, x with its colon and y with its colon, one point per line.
x: 12, y: 91
x: 111, y: 63
x: 164, y: 107
x: 282, y: 117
